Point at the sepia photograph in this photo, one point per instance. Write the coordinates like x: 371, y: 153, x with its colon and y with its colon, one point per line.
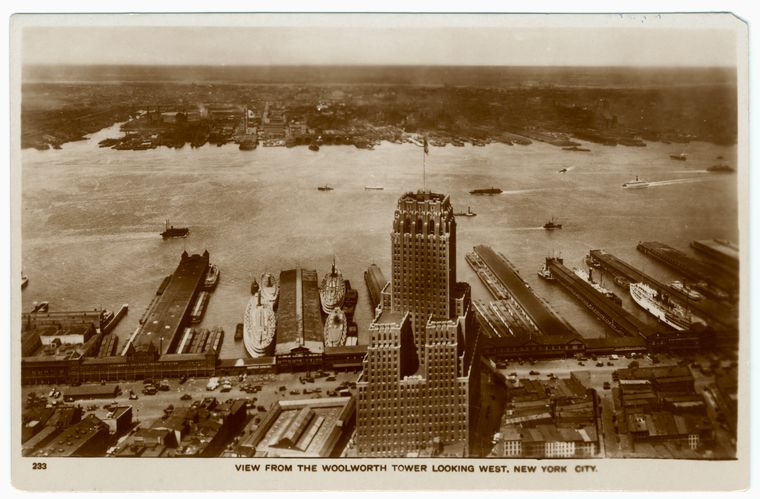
x: 377, y: 251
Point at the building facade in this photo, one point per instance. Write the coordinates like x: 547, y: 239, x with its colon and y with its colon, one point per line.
x: 415, y: 391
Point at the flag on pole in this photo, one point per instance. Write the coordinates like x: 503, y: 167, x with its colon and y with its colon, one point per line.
x: 425, y: 144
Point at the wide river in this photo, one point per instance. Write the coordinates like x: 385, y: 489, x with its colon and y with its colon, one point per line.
x: 91, y: 216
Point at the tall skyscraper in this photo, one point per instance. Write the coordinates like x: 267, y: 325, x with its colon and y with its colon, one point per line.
x: 415, y: 393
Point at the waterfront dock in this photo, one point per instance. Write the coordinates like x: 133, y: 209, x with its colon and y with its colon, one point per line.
x: 504, y: 282
x: 722, y: 317
x: 612, y: 314
x: 692, y: 268
x: 110, y: 325
x: 721, y: 252
x: 375, y: 281
x: 171, y: 311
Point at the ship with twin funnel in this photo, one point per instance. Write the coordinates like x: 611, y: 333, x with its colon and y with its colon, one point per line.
x: 662, y: 307
x: 259, y: 325
x: 335, y: 328
x: 260, y: 321
x: 333, y: 290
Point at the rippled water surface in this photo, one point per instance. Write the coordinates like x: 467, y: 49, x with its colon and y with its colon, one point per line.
x: 91, y: 216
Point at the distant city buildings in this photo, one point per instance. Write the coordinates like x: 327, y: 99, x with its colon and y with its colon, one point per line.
x: 417, y: 389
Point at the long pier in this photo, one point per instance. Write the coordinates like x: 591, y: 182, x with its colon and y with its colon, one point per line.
x: 502, y: 279
x: 613, y: 315
x: 690, y: 267
x: 722, y: 252
x: 720, y: 316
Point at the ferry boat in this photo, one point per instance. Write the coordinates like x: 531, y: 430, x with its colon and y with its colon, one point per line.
x: 587, y: 276
x: 550, y: 225
x: 212, y: 277
x: 171, y: 231
x: 269, y: 289
x: 335, y: 328
x: 259, y: 325
x: 660, y: 306
x: 332, y: 291
x: 689, y: 292
x: 636, y: 184
x: 489, y: 191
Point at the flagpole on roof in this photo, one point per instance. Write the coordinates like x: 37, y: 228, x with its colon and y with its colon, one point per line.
x: 424, y: 153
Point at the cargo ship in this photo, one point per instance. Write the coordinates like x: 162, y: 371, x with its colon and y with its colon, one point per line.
x: 662, y: 307
x: 335, y: 328
x: 587, y: 276
x: 636, y: 184
x: 259, y: 325
x: 489, y: 191
x: 199, y: 308
x: 551, y: 225
x: 269, y: 289
x: 333, y: 290
x: 212, y: 277
x: 171, y: 231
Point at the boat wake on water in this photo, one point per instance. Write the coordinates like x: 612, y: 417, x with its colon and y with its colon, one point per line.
x: 677, y: 181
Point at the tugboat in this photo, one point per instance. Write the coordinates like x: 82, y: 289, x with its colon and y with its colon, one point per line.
x: 550, y: 225
x: 563, y: 170
x: 239, y: 331
x: 545, y: 273
x: 489, y: 191
x: 212, y: 277
x: 324, y: 188
x: 40, y: 307
x: 636, y: 184
x: 468, y: 213
x: 171, y: 231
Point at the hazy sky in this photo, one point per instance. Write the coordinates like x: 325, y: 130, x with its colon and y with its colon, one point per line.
x: 372, y: 45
